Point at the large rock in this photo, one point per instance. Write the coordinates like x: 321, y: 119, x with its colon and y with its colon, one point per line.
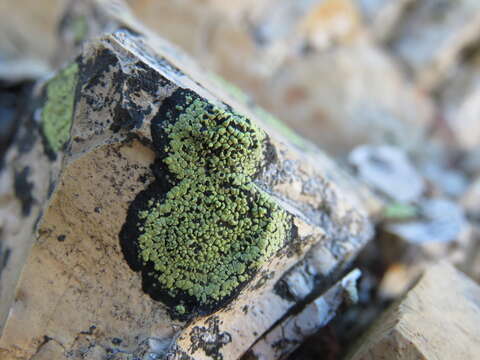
x: 460, y: 102
x: 120, y: 136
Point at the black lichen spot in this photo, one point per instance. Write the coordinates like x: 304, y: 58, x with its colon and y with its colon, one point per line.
x: 61, y: 238
x: 51, y: 188
x: 128, y: 113
x: 209, y: 339
x: 24, y: 190
x: 90, y: 330
x: 116, y: 341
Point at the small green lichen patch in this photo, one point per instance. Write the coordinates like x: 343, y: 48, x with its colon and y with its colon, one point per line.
x: 399, y: 211
x: 214, y: 228
x: 58, y: 110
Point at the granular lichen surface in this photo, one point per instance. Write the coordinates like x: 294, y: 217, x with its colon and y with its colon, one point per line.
x: 58, y: 110
x: 214, y: 227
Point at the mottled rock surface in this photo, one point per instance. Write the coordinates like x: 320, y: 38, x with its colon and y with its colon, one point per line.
x: 65, y: 202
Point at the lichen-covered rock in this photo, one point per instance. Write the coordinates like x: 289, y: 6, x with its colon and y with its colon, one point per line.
x: 207, y: 227
x: 160, y: 163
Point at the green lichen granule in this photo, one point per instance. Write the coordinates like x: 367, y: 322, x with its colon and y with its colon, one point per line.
x: 215, y: 227
x: 58, y: 110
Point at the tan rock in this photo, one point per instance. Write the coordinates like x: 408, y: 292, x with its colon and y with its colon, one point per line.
x: 284, y: 338
x: 70, y: 205
x: 347, y: 97
x: 437, y: 319
x: 27, y: 37
x: 382, y: 16
x: 341, y: 92
x: 432, y: 35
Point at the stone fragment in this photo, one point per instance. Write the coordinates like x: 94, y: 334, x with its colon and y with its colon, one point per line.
x: 383, y: 16
x: 284, y: 338
x: 388, y: 170
x: 440, y: 221
x: 432, y: 35
x: 459, y: 99
x: 437, y: 319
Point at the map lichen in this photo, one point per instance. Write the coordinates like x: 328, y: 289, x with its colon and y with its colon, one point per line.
x: 214, y: 228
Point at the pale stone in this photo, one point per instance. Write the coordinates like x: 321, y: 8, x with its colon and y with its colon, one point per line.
x: 66, y: 277
x: 437, y: 319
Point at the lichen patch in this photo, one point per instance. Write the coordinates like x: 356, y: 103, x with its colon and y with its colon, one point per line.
x: 58, y: 110
x: 206, y: 228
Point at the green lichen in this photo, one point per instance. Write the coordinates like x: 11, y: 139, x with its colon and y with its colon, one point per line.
x: 399, y: 211
x: 58, y: 110
x: 215, y: 227
x: 180, y: 309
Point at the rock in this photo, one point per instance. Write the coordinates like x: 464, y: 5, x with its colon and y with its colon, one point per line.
x: 471, y: 200
x: 72, y: 231
x: 27, y: 38
x: 284, y: 338
x: 389, y: 171
x: 316, y: 25
x: 441, y: 221
x: 305, y: 61
x: 459, y: 98
x: 432, y: 35
x: 383, y: 16
x: 443, y: 180
x: 324, y: 97
x: 398, y: 278
x: 437, y: 319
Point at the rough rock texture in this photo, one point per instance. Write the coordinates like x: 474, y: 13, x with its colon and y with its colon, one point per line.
x: 65, y: 203
x: 437, y: 319
x: 282, y: 340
